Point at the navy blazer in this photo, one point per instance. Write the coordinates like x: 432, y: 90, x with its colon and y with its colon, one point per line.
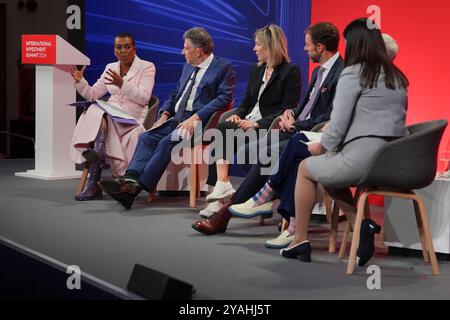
x: 281, y: 92
x: 214, y: 92
x: 321, y: 111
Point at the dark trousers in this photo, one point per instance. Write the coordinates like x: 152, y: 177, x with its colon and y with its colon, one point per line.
x: 223, y: 127
x: 153, y: 154
x: 283, y: 181
x: 255, y: 180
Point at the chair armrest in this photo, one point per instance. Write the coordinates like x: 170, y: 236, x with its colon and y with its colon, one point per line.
x: 275, y: 123
x: 319, y: 126
x: 227, y: 114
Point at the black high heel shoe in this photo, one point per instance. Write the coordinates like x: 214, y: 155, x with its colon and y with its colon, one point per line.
x: 366, y: 241
x: 301, y: 251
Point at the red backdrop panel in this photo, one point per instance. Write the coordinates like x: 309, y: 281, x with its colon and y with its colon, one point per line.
x: 421, y: 31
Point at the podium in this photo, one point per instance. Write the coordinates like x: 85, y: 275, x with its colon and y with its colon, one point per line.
x: 55, y: 121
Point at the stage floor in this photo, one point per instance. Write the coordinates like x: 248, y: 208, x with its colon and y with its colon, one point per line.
x: 105, y: 240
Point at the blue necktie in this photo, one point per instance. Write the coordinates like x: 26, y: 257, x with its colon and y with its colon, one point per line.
x: 183, y: 104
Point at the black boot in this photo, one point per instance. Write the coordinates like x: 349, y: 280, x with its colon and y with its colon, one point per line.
x: 366, y: 241
x: 91, y: 190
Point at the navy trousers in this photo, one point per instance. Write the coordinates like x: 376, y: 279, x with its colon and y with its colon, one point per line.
x: 283, y: 181
x: 255, y: 180
x: 152, y: 154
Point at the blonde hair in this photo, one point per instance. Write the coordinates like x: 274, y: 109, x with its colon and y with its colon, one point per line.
x: 274, y: 40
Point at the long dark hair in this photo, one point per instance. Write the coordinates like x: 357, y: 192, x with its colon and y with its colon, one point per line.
x: 365, y: 46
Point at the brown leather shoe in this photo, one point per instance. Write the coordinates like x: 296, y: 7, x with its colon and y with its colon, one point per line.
x: 213, y: 225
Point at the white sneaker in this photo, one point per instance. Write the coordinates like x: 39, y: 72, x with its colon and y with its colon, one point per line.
x: 246, y: 210
x: 211, y: 209
x: 220, y: 191
x: 281, y: 242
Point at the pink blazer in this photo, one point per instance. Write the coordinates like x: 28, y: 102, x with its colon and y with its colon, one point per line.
x: 135, y: 93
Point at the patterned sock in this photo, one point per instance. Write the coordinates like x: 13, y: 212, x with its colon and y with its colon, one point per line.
x: 264, y: 195
x: 291, y: 228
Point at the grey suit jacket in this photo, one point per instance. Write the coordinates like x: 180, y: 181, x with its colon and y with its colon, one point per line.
x: 361, y: 112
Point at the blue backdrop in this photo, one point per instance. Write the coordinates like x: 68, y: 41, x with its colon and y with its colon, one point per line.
x: 158, y: 26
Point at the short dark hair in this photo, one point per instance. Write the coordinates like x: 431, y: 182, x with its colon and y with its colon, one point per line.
x: 126, y: 35
x: 324, y: 33
x: 200, y: 38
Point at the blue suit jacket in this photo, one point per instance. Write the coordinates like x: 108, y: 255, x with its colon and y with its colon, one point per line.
x: 214, y: 93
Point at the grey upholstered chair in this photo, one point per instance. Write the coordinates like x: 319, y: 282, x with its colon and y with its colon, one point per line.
x: 150, y: 119
x: 398, y: 168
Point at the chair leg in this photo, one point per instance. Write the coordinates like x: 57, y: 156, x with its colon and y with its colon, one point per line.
x: 262, y: 220
x: 83, y: 179
x: 425, y: 255
x: 197, y: 179
x: 284, y: 225
x: 427, y: 235
x: 345, y: 237
x: 328, y: 209
x: 356, y: 232
x: 193, y: 181
x: 151, y: 196
x: 334, y: 229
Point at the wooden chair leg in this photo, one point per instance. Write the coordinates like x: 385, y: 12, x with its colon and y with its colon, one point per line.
x: 328, y: 208
x: 151, y: 196
x: 356, y: 231
x: 345, y: 237
x: 334, y: 229
x: 284, y: 225
x: 83, y: 179
x: 425, y: 255
x: 427, y: 235
x: 197, y: 179
x: 193, y: 181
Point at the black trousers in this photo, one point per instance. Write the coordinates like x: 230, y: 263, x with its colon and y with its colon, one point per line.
x: 231, y: 127
x: 254, y: 180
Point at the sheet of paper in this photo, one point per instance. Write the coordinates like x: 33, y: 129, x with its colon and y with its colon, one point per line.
x: 313, y: 137
x: 113, y: 110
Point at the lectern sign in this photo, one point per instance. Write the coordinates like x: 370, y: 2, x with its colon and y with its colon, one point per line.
x: 38, y: 49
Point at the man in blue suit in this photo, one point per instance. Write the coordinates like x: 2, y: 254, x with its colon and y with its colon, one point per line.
x: 206, y: 86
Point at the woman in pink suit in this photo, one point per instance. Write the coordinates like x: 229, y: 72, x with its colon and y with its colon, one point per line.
x: 97, y: 139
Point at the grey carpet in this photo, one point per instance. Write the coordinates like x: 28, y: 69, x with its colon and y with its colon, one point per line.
x: 105, y: 240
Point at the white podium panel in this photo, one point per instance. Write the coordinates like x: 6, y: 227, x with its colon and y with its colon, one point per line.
x: 55, y: 121
x: 400, y: 228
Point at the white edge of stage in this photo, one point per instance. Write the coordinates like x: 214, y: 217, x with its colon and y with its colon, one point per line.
x: 35, y: 174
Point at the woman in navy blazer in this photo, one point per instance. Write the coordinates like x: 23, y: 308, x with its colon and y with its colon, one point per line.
x: 273, y: 86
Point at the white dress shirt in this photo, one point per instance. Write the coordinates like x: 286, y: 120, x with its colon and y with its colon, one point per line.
x: 327, y: 67
x: 255, y: 114
x: 203, y: 67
